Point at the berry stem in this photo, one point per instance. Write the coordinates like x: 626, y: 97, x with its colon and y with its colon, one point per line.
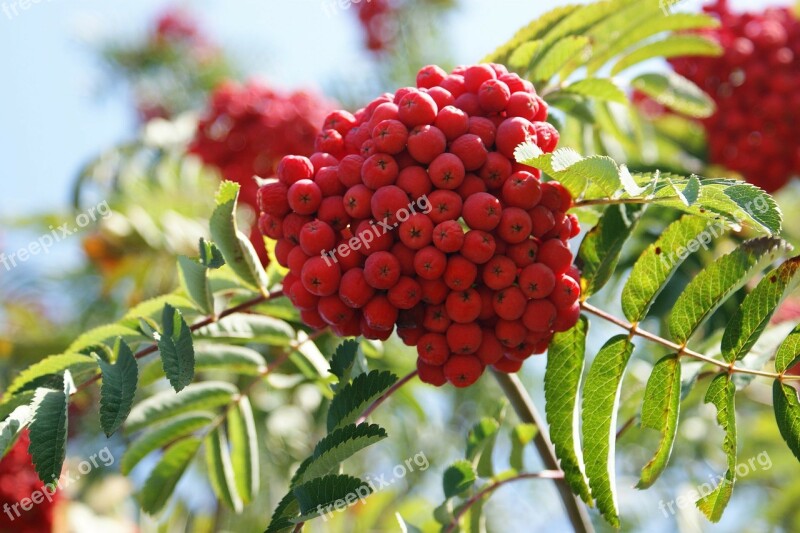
x: 527, y: 413
x: 493, y: 486
x: 384, y: 396
x: 634, y: 329
x: 618, y: 201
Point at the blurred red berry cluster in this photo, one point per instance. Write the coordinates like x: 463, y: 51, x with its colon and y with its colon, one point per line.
x: 380, y: 21
x: 18, y: 481
x: 248, y: 128
x: 756, y: 128
x: 413, y: 213
x: 177, y: 25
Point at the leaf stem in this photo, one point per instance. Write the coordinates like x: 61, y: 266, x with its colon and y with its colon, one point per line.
x: 634, y: 329
x: 527, y: 413
x: 491, y: 487
x: 384, y: 396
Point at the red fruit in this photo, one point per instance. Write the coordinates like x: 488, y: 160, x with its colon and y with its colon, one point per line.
x: 431, y: 374
x: 388, y: 203
x: 441, y: 96
x: 332, y: 212
x: 349, y: 170
x: 405, y: 256
x: 430, y: 76
x: 425, y: 143
x: 417, y: 231
x: 515, y: 225
x: 282, y: 249
x: 445, y: 205
x: 470, y: 150
x: 463, y: 338
x: 546, y: 136
x: 304, y: 197
x: 390, y: 136
x: 436, y: 319
x: 464, y: 306
x: 537, y: 281
x: 556, y: 255
x: 448, y: 236
x: 270, y: 226
x: 432, y: 349
x: 358, y: 201
x: 567, y: 318
x: 354, y: 289
x: 511, y: 133
x: 463, y: 370
x: 523, y: 105
x: 272, y: 199
x: 340, y: 120
x: 509, y: 303
x: 539, y: 315
x: 494, y: 96
x: 452, y: 122
x: 565, y: 293
x: 484, y: 129
x: 522, y: 190
x: 321, y: 276
x: 293, y: 168
x: 405, y: 294
x: 446, y: 171
x: 495, y: 171
x: 416, y: 109
x: 542, y: 221
x: 414, y: 181
x: 509, y: 366
x: 380, y: 314
x: 472, y: 184
x: 510, y: 333
x: 523, y: 253
x: 460, y: 273
x: 479, y: 246
x: 334, y: 311
x: 312, y: 318
x: 499, y: 273
x: 490, y: 349
x: 476, y: 75
x: 429, y: 263
x: 382, y: 270
x: 379, y: 170
x: 468, y: 103
x: 434, y: 291
x: 482, y: 211
x: 317, y: 237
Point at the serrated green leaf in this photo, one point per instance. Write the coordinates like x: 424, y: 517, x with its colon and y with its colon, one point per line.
x: 284, y: 514
x: 175, y: 429
x: 598, y: 89
x: 480, y: 445
x: 600, y: 401
x: 521, y: 436
x: 100, y: 335
x: 343, y: 360
x: 220, y: 470
x: 754, y: 314
x: 712, y: 286
x: 323, y: 492
x: 522, y: 57
x: 601, y: 247
x: 554, y: 58
x: 247, y: 328
x: 210, y: 256
x: 12, y: 426
x: 177, y: 351
x: 580, y: 20
x: 353, y: 398
x: 338, y: 446
x: 194, y: 279
x: 169, y: 470
x: 789, y: 351
x: 787, y: 414
x: 676, y: 93
x: 670, y: 46
x: 660, y: 411
x: 244, y: 449
x: 48, y: 367
x: 237, y: 250
x: 48, y: 430
x: 458, y: 478
x: 721, y: 393
x: 658, y: 263
x: 155, y: 307
x: 167, y: 404
x: 211, y: 358
x: 532, y: 31
x: 119, y: 388
x: 562, y: 381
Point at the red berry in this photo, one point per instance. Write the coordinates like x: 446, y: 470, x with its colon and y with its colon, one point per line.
x: 448, y: 236
x: 463, y: 338
x: 405, y: 294
x: 511, y: 133
x: 380, y: 314
x: 429, y: 263
x: 379, y: 170
x: 354, y: 289
x: 463, y: 370
x: 463, y: 306
x: 446, y: 171
x: 499, y: 273
x: 432, y: 349
x: 460, y: 273
x: 417, y: 231
x: 556, y: 255
x: 321, y: 276
x: 294, y: 168
x: 416, y: 109
x: 425, y: 143
x: 304, y: 197
x: 509, y: 303
x: 431, y: 374
x: 537, y: 281
x: 479, y: 246
x: 482, y: 211
x: 539, y: 315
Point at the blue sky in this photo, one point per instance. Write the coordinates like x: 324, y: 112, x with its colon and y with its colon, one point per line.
x: 54, y: 115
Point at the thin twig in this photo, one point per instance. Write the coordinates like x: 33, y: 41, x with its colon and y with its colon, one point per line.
x: 384, y: 396
x: 617, y: 201
x: 491, y: 487
x: 527, y: 413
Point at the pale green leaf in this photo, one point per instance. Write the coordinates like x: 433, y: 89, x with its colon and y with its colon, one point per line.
x: 721, y: 393
x: 166, y: 474
x: 660, y: 411
x: 244, y: 449
x: 670, y: 46
x: 167, y: 404
x: 220, y: 470
x: 676, y: 93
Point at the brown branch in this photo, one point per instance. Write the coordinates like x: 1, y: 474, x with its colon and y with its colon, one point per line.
x: 384, y: 396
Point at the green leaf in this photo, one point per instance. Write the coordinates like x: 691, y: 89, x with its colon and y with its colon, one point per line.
x: 118, y: 389
x: 12, y: 426
x: 355, y: 397
x: 787, y: 415
x: 532, y: 31
x: 458, y: 478
x: 676, y: 93
x: 562, y: 381
x: 48, y: 367
x: 155, y: 306
x: 167, y: 404
x: 237, y: 250
x: 100, y: 335
x: 177, y: 428
x: 601, y: 247
x: 600, y: 401
x: 214, y: 357
x: 220, y: 470
x: 521, y: 59
x: 343, y: 360
x: 338, y: 446
x: 670, y: 46
x: 660, y: 411
x: 247, y: 328
x: 480, y: 445
x: 48, y: 430
x: 175, y: 346
x: 598, y: 89
x: 331, y: 490
x: 712, y: 286
x: 244, y: 449
x: 210, y: 256
x: 521, y: 436
x: 194, y: 278
x: 658, y: 263
x: 721, y: 393
x: 788, y: 352
x: 284, y: 514
x: 169, y: 470
x: 558, y: 55
x: 758, y: 307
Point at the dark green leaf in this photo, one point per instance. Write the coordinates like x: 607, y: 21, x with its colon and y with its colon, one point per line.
x: 194, y: 277
x: 166, y: 404
x: 175, y: 346
x: 169, y: 470
x: 118, y: 389
x: 355, y: 397
x: 210, y: 256
x: 343, y: 360
x: 458, y: 478
x: 721, y: 393
x: 178, y: 427
x: 244, y: 449
x: 49, y: 366
x: 48, y: 430
x: 789, y: 351
x: 324, y: 494
x: 670, y: 46
x: 787, y: 414
x: 12, y: 426
x: 339, y: 445
x: 220, y: 470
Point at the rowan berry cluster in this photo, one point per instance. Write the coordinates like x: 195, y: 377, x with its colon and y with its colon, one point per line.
x: 379, y: 19
x: 18, y: 481
x: 482, y: 275
x: 247, y: 129
x: 754, y: 84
